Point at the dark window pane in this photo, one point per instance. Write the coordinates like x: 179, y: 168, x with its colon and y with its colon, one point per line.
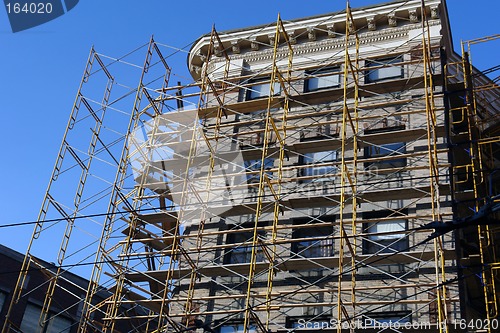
x: 390, y: 149
x: 241, y: 252
x: 313, y: 241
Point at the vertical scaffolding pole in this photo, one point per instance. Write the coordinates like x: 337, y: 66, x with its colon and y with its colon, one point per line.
x: 269, y: 128
x: 117, y: 198
x: 348, y: 172
x: 207, y: 88
x: 81, y: 185
x: 281, y: 134
x: 478, y: 172
x: 430, y: 107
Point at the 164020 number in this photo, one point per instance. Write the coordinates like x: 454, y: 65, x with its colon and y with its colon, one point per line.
x: 477, y: 324
x: 29, y: 8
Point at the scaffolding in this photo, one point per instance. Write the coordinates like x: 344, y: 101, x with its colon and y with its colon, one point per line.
x: 473, y: 112
x: 242, y: 201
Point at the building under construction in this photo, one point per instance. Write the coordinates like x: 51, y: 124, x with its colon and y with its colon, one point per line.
x: 336, y: 172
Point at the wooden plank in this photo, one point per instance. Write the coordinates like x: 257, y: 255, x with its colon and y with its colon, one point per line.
x: 149, y: 239
x: 166, y: 219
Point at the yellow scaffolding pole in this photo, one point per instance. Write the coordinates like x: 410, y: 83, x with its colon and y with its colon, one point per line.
x: 270, y: 127
x: 207, y: 87
x: 477, y: 169
x: 441, y: 293
x: 281, y: 136
x: 348, y: 171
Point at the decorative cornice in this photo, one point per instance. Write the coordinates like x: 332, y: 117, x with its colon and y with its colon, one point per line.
x: 315, y: 28
x: 329, y: 44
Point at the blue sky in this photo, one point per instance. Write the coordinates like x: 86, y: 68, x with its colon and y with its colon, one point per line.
x: 40, y: 70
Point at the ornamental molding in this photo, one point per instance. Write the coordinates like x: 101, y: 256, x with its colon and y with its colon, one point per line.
x: 327, y: 44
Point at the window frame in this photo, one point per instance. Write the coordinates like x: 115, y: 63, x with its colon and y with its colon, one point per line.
x: 234, y: 252
x: 391, y: 149
x: 401, y: 317
x: 318, y: 244
x: 294, y: 322
x: 310, y: 76
x: 386, y: 243
x: 237, y: 326
x: 37, y: 309
x: 255, y: 165
x: 261, y: 83
x: 317, y: 171
x: 384, y: 65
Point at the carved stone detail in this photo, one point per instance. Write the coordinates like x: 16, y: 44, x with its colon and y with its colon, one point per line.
x: 235, y: 47
x: 311, y: 34
x: 413, y: 15
x: 196, y: 69
x: 434, y: 12
x: 202, y: 56
x: 331, y: 30
x: 391, y: 17
x: 253, y: 44
x: 218, y: 49
x: 352, y: 27
x: 371, y: 23
x: 272, y: 38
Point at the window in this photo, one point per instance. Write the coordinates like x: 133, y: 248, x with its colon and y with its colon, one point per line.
x: 386, y: 319
x: 252, y: 167
x: 385, y: 236
x: 261, y: 90
x: 320, y: 128
x: 59, y: 325
x: 318, y: 173
x: 385, y: 150
x: 251, y: 132
x: 313, y: 241
x: 55, y: 324
x: 390, y: 149
x: 384, y: 69
x: 313, y: 322
x: 241, y: 252
x: 236, y: 328
x: 322, y: 79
